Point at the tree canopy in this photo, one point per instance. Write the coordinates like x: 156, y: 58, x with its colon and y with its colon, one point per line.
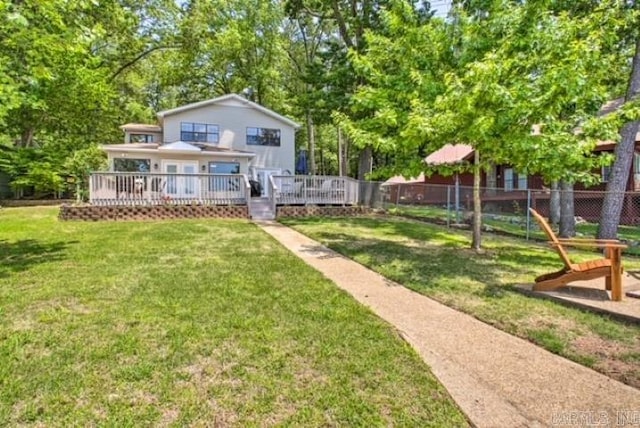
x: 380, y: 84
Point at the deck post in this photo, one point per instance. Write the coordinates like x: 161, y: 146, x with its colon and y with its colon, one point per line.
x: 91, y: 188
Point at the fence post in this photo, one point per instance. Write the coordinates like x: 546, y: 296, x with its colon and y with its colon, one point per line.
x: 448, y: 206
x: 528, y: 213
x: 398, y: 193
x: 457, y: 190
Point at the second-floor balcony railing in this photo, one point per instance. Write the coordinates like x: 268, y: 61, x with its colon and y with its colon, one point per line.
x: 125, y: 188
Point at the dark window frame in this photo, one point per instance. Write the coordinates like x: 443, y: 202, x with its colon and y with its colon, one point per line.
x: 212, y: 181
x: 148, y: 138
x: 270, y: 137
x: 131, y: 162
x: 211, y: 164
x: 519, y: 181
x: 209, y: 135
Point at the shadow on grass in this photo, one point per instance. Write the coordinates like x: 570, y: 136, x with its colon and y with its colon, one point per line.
x: 442, y: 261
x: 21, y: 255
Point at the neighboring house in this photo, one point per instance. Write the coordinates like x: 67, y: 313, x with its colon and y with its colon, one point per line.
x: 505, y: 189
x: 224, y: 135
x: 507, y: 179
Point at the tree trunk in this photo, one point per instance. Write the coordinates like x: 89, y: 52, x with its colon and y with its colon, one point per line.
x: 311, y: 135
x: 78, y: 192
x: 617, y: 184
x: 26, y: 138
x: 554, y: 204
x: 476, y: 242
x: 345, y: 157
x: 340, y: 153
x: 567, y: 213
x: 365, y: 163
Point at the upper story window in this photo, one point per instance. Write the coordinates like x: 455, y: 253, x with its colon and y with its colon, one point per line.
x: 199, y: 132
x: 140, y: 138
x: 263, y: 137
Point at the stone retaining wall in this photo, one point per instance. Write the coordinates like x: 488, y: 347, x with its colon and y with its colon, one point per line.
x: 157, y: 212
x: 311, y: 210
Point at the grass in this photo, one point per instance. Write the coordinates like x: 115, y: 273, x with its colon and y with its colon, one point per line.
x: 437, y: 262
x: 194, y: 322
x: 439, y: 215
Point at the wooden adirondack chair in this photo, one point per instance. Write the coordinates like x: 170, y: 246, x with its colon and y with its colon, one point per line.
x: 609, y: 267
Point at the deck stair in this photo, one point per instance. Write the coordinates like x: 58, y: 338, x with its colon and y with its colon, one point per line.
x: 261, y: 209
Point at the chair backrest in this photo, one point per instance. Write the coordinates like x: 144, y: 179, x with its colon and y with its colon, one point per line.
x: 552, y: 237
x: 327, y: 184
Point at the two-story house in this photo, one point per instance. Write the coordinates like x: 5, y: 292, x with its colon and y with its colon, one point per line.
x: 224, y: 135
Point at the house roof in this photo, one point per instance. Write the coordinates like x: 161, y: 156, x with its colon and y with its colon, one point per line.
x: 140, y: 127
x: 178, y: 147
x: 450, y: 153
x: 398, y: 179
x: 223, y: 98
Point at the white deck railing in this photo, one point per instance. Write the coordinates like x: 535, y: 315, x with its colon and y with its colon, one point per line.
x: 321, y: 190
x: 125, y: 188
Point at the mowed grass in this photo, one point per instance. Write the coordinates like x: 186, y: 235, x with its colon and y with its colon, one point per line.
x: 630, y: 234
x: 437, y: 262
x: 195, y: 322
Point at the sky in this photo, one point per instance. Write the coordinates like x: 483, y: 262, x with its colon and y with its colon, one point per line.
x: 441, y: 7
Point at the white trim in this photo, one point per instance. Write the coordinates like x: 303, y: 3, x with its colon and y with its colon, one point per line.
x: 179, y: 146
x: 236, y: 97
x: 181, y: 152
x: 183, y: 182
x: 267, y: 173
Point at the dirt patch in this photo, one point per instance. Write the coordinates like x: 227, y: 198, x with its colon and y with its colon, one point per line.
x: 609, y: 357
x: 542, y: 321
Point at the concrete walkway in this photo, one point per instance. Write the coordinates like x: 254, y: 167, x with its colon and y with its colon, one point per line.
x: 497, y: 379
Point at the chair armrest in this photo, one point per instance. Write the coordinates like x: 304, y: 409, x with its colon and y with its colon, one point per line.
x: 589, y: 243
x: 599, y: 241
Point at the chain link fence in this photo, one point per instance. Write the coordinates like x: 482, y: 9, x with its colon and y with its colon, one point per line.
x: 503, y: 211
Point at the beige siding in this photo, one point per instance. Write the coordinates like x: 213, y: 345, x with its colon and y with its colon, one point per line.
x: 233, y: 118
x: 203, y: 160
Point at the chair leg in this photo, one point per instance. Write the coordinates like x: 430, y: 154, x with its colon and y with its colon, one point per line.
x: 614, y: 282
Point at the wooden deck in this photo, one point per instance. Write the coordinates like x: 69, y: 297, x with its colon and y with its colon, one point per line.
x: 124, y: 188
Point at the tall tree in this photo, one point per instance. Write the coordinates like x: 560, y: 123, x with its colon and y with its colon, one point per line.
x: 334, y: 79
x: 511, y: 66
x: 229, y: 46
x: 307, y: 36
x: 66, y: 62
x: 624, y: 152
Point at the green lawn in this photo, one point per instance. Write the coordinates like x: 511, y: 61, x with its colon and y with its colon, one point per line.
x: 437, y: 262
x: 439, y: 215
x: 199, y: 322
